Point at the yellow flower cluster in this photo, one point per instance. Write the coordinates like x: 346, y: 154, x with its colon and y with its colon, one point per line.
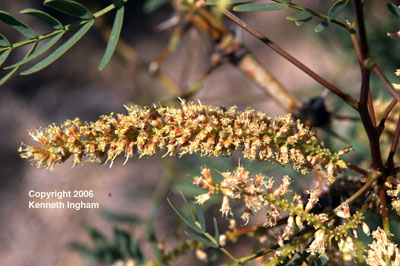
x: 191, y: 128
x: 238, y: 185
x: 258, y: 193
x: 382, y: 251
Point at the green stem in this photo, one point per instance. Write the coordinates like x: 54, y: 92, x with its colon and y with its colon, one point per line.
x: 288, y: 249
x: 372, y: 177
x: 66, y: 28
x: 226, y: 252
x: 384, y: 211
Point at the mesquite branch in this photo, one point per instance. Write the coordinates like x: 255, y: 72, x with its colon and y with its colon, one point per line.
x: 347, y: 98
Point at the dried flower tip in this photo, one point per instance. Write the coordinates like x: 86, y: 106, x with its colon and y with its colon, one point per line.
x: 299, y: 222
x: 232, y: 224
x: 365, y: 228
x: 201, y: 255
x: 226, y: 208
x: 297, y: 200
x: 312, y: 200
x: 343, y: 211
x: 273, y: 215
x: 396, y: 205
x: 354, y: 231
x: 388, y: 185
x: 207, y: 175
x: 283, y: 188
x: 280, y: 242
x: 246, y: 215
x: 222, y: 240
x: 317, y: 247
x: 263, y: 239
x: 322, y: 217
x: 289, y: 228
x: 201, y: 199
x: 348, y: 248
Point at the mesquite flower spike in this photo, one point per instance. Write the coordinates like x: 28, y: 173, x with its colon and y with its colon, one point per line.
x: 190, y: 128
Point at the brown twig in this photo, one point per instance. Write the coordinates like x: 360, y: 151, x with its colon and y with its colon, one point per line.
x: 353, y: 37
x: 345, y: 117
x: 371, y: 110
x: 347, y: 98
x: 358, y: 169
x: 393, y: 147
x: 356, y: 46
x: 370, y: 129
x: 389, y: 109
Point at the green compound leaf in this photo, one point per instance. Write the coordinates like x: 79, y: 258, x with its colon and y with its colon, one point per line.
x: 187, y: 206
x: 16, y: 69
x: 202, y: 240
x: 114, y: 36
x: 4, y: 56
x: 395, y: 10
x: 201, y: 218
x: 321, y: 26
x: 60, y: 50
x: 4, y: 42
x: 333, y: 12
x: 259, y: 7
x: 17, y: 24
x: 186, y: 219
x: 301, y: 16
x: 227, y: 2
x: 69, y: 7
x: 38, y: 52
x: 151, y: 5
x: 336, y: 8
x: 44, y: 17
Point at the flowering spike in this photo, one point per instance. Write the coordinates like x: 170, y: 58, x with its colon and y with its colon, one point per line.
x: 189, y: 129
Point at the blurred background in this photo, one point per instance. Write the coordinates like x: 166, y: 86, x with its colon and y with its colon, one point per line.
x: 73, y: 87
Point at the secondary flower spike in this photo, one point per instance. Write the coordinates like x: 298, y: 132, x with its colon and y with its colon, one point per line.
x: 190, y: 128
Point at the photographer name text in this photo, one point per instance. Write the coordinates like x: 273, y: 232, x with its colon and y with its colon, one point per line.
x: 80, y: 202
